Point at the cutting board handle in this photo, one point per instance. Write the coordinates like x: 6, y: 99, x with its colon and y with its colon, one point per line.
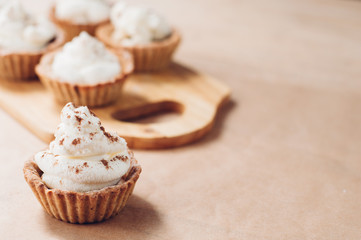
x: 197, y: 114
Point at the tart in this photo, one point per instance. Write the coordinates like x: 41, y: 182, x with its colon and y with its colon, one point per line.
x: 73, y: 29
x: 87, y: 174
x: 24, y: 38
x: 149, y: 57
x: 20, y: 66
x: 90, y: 94
x: 143, y: 32
x: 81, y: 207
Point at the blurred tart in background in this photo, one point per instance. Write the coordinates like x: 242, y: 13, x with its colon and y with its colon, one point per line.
x: 24, y: 38
x: 75, y: 16
x: 143, y: 32
x: 85, y: 72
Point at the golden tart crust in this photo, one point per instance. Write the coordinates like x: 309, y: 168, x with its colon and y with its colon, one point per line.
x: 72, y: 29
x: 149, y: 57
x: 82, y: 207
x: 93, y: 95
x: 20, y: 66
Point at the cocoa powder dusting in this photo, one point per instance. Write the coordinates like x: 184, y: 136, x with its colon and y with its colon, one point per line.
x: 79, y: 119
x: 120, y: 157
x: 92, y: 113
x: 75, y: 169
x: 105, y: 163
x: 110, y: 137
x: 91, y: 135
x: 76, y: 141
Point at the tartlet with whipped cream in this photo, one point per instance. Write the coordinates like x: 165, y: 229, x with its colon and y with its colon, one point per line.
x: 24, y: 38
x: 87, y: 174
x: 85, y: 72
x: 76, y: 16
x: 143, y: 32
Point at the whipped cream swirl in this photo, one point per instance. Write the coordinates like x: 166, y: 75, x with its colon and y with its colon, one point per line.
x: 83, y: 156
x: 22, y: 32
x: 136, y: 25
x: 85, y: 61
x: 82, y: 11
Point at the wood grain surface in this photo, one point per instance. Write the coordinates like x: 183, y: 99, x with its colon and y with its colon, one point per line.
x: 194, y: 96
x: 283, y: 160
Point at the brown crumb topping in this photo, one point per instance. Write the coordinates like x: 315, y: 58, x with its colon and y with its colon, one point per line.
x: 85, y: 164
x: 61, y: 142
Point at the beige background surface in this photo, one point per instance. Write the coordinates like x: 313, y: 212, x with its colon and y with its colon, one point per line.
x: 284, y: 159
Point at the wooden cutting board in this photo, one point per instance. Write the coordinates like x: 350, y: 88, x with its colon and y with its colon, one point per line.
x: 194, y: 96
